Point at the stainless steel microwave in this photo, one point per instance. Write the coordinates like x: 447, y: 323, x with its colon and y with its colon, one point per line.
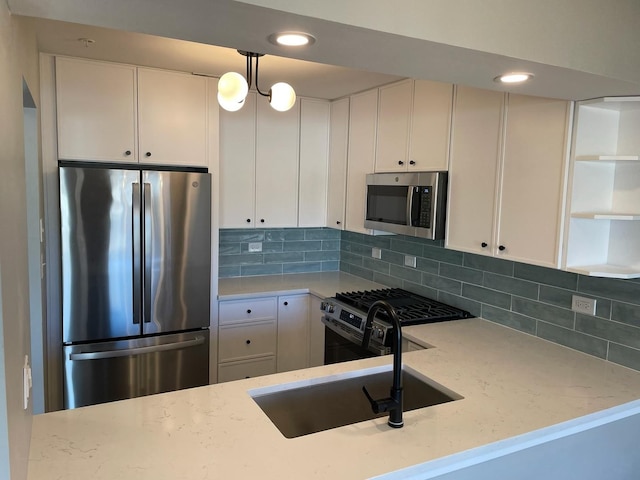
x: 407, y: 203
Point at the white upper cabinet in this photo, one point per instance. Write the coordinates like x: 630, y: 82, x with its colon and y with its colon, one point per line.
x: 238, y: 165
x: 430, y: 126
x: 603, y: 213
x: 277, y: 166
x: 314, y: 156
x: 394, y: 120
x: 96, y: 111
x: 507, y: 171
x: 338, y: 147
x: 120, y: 113
x: 361, y: 156
x: 473, y: 171
x: 273, y: 165
x: 414, y: 121
x: 533, y: 179
x: 172, y: 118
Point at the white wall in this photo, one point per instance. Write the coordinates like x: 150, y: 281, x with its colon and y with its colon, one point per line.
x: 18, y: 59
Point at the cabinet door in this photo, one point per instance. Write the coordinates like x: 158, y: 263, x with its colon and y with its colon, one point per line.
x: 473, y: 170
x: 338, y: 143
x: 277, y: 166
x: 314, y: 146
x: 535, y: 154
x: 96, y: 111
x: 172, y: 118
x: 361, y: 157
x: 293, y: 332
x: 238, y: 165
x: 430, y: 126
x: 393, y: 127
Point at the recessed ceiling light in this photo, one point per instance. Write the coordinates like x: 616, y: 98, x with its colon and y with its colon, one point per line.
x: 513, y: 77
x: 291, y: 39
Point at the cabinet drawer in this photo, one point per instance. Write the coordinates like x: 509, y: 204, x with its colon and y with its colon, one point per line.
x: 246, y: 369
x: 240, y: 341
x: 247, y: 310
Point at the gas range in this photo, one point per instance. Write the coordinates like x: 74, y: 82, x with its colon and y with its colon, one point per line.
x: 346, y: 314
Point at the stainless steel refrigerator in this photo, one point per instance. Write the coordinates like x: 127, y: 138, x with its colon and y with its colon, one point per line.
x: 136, y: 266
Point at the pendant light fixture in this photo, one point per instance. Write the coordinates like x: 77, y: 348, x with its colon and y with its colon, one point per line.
x: 233, y: 88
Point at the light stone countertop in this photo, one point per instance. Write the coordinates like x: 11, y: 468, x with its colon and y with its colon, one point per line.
x: 511, y: 382
x: 325, y: 284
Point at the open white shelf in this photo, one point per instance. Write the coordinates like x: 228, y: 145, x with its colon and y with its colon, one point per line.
x: 606, y: 215
x: 603, y: 212
x: 608, y: 158
x: 605, y: 270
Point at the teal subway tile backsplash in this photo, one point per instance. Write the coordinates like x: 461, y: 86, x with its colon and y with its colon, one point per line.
x: 532, y: 299
x: 284, y: 250
x: 529, y: 298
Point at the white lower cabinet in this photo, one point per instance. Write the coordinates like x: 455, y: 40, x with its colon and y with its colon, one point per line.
x: 260, y: 336
x: 293, y: 333
x: 246, y: 369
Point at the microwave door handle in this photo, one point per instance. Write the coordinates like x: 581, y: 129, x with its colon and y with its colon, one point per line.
x: 413, y: 206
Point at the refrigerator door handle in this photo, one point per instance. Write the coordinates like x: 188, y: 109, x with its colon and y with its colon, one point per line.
x: 137, y: 279
x: 146, y: 246
x: 199, y: 340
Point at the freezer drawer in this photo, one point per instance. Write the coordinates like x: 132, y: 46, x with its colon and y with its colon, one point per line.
x: 108, y: 371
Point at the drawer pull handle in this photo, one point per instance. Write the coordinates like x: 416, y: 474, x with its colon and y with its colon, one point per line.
x: 502, y: 248
x: 248, y: 342
x: 249, y: 311
x: 286, y: 303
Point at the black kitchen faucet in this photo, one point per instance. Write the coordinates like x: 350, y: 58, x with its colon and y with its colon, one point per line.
x: 392, y: 404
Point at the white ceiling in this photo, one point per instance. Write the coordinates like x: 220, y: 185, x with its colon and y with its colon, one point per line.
x: 309, y: 79
x: 361, y: 54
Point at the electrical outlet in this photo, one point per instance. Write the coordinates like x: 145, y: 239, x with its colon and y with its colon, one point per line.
x: 583, y: 305
x: 376, y: 252
x: 410, y: 261
x: 255, y: 247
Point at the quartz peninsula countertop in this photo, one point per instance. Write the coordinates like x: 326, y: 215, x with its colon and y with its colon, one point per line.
x: 511, y: 383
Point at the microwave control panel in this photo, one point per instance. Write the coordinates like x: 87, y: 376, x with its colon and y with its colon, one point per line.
x: 424, y: 215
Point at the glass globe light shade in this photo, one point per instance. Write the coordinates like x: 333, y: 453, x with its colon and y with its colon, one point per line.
x: 282, y: 97
x: 229, y: 106
x: 232, y: 87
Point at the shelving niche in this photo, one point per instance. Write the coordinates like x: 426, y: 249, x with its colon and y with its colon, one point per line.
x: 603, y: 221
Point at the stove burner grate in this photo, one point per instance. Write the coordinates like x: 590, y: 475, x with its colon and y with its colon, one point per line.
x: 412, y: 309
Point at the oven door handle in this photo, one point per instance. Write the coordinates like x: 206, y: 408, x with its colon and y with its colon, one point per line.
x: 354, y: 338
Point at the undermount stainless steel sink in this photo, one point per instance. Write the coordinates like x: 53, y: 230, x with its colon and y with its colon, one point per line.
x: 305, y: 407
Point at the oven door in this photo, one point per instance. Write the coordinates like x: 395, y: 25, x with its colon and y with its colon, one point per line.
x: 338, y: 349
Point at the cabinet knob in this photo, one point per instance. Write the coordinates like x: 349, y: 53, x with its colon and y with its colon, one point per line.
x: 502, y: 248
x: 248, y: 342
x: 483, y: 244
x: 262, y: 220
x: 286, y: 303
x: 248, y: 220
x: 148, y: 154
x: 127, y: 153
x: 338, y: 222
x: 412, y: 162
x: 400, y: 162
x: 249, y: 311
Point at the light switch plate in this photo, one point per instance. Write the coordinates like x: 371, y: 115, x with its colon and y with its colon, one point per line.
x: 376, y: 252
x: 255, y: 247
x: 410, y: 261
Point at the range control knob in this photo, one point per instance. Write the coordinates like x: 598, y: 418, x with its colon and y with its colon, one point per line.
x: 330, y: 308
x: 323, y: 306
